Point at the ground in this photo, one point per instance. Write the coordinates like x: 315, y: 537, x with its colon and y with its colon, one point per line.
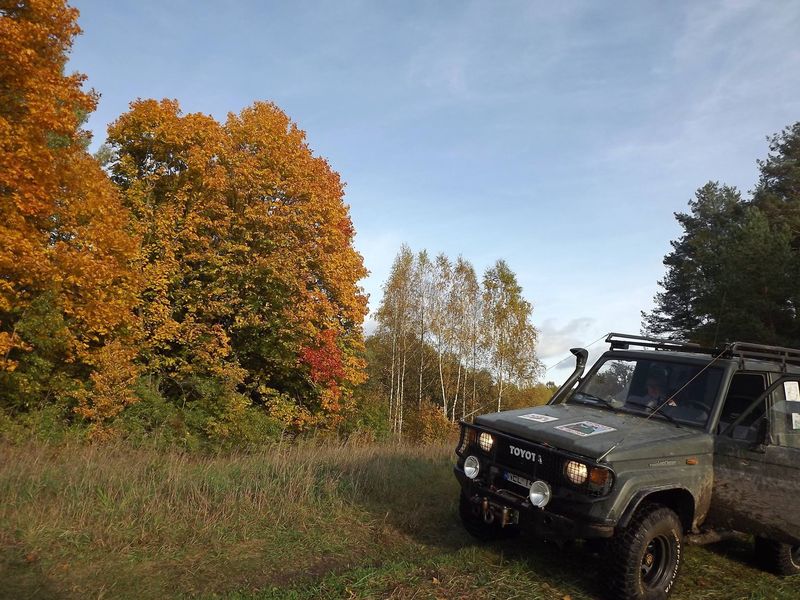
x: 320, y: 520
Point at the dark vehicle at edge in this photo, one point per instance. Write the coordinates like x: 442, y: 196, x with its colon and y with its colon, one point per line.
x: 659, y: 443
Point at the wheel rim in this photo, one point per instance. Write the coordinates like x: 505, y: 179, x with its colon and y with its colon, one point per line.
x: 794, y: 554
x: 656, y: 561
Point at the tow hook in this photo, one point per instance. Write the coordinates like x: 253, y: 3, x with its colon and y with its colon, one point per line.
x: 510, y: 517
x: 488, y: 515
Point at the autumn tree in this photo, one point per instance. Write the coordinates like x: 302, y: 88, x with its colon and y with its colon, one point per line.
x: 300, y: 235
x: 66, y: 289
x: 252, y: 289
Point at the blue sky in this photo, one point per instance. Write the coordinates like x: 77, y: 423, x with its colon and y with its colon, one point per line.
x: 560, y: 136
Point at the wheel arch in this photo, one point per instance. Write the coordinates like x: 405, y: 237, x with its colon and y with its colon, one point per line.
x: 679, y: 499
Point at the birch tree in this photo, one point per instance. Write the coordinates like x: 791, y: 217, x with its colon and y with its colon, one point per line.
x: 510, y: 338
x: 395, y: 317
x: 423, y: 273
x: 441, y: 327
x: 458, y: 324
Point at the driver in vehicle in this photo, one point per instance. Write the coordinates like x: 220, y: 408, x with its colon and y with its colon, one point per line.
x: 654, y: 394
x: 677, y: 406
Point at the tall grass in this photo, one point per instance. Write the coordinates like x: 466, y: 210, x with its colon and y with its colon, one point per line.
x: 142, y: 523
x: 310, y: 520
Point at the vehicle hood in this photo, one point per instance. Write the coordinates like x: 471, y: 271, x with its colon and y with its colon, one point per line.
x: 627, y: 436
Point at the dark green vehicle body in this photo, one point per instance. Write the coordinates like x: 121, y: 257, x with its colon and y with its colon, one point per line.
x: 737, y: 470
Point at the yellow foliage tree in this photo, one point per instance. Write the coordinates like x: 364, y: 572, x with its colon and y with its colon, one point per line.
x: 251, y: 277
x: 65, y: 250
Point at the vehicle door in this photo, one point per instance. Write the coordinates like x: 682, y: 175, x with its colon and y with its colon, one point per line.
x: 782, y: 459
x: 756, y: 462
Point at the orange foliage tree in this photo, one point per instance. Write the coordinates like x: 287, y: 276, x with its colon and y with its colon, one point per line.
x: 251, y: 280
x: 66, y: 288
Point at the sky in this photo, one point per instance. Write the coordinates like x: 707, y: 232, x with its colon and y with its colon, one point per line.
x: 559, y: 136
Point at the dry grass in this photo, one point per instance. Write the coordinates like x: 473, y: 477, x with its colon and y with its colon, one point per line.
x: 308, y: 521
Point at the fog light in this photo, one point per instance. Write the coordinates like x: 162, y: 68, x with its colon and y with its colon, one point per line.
x: 485, y: 441
x: 539, y: 494
x: 576, y: 472
x: 472, y: 467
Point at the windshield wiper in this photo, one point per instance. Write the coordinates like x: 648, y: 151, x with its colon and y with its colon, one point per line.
x: 596, y: 399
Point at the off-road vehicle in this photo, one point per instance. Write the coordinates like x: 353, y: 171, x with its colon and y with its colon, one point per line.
x: 662, y: 442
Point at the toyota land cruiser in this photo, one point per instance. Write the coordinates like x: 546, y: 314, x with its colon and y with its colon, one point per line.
x: 661, y: 440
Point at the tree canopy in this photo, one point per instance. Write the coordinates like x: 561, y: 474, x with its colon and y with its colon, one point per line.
x: 735, y: 271
x: 448, y: 341
x: 210, y: 268
x: 67, y: 291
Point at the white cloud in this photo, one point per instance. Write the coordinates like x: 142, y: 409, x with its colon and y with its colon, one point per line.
x: 555, y: 342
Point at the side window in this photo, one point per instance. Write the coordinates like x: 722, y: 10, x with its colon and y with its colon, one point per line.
x: 785, y: 414
x: 738, y: 409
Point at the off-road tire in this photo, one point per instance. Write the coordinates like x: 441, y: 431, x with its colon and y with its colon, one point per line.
x: 473, y: 522
x: 645, y: 557
x: 781, y: 559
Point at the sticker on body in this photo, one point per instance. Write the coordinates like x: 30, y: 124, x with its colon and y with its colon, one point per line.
x: 585, y: 428
x: 538, y: 418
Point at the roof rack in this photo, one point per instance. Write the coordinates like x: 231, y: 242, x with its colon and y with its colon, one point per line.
x: 786, y: 356
x: 623, y: 341
x: 740, y: 350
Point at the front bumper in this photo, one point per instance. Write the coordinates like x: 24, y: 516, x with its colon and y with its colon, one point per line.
x: 541, y: 522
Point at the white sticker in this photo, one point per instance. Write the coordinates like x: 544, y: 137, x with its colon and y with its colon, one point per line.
x: 538, y: 418
x: 795, y: 420
x: 792, y: 391
x: 585, y: 428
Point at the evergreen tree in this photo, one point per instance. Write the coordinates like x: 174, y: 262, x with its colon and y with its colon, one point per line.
x: 734, y: 274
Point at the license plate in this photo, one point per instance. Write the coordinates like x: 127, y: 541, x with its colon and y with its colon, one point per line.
x: 526, y: 483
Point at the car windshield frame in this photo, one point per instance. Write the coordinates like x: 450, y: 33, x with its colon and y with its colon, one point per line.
x: 698, y: 376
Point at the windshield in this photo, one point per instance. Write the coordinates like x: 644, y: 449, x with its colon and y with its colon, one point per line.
x: 684, y: 392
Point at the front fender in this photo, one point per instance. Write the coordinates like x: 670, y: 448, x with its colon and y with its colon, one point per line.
x: 684, y: 487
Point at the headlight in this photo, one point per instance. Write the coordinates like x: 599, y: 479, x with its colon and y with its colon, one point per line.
x: 576, y: 472
x: 539, y: 493
x: 485, y: 441
x: 472, y: 467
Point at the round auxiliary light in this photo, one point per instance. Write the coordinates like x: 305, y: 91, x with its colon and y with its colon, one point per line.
x: 472, y: 467
x: 485, y: 441
x: 540, y: 493
x: 576, y: 472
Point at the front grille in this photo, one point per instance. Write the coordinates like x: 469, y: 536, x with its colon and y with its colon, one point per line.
x: 531, y: 461
x: 534, y: 460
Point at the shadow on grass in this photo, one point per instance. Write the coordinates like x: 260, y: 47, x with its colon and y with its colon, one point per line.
x: 22, y: 576
x: 420, y: 500
x: 561, y: 564
x: 415, y: 495
x: 736, y: 550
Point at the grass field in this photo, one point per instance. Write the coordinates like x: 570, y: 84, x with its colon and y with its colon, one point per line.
x: 309, y: 521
